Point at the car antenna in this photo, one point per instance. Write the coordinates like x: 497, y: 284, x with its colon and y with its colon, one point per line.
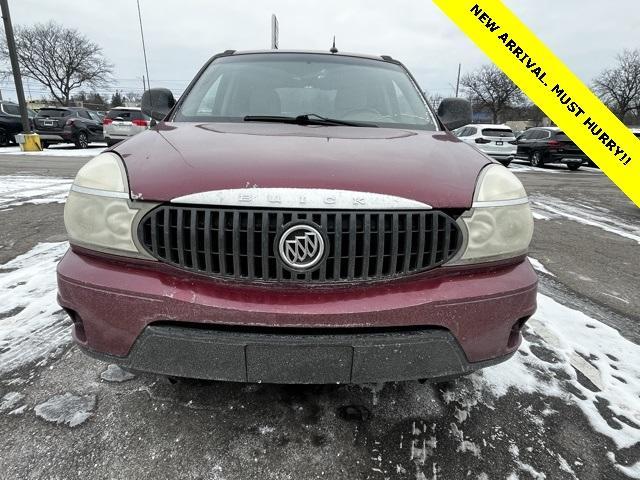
x: 333, y: 48
x: 146, y: 65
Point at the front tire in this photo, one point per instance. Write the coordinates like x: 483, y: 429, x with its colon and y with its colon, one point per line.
x: 573, y: 166
x: 536, y: 160
x: 82, y: 140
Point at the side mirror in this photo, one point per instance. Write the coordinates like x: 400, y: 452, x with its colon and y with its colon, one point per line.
x: 455, y: 112
x: 157, y: 103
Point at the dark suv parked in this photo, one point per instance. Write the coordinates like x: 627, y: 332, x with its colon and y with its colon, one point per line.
x: 543, y: 145
x: 10, y: 122
x: 68, y: 125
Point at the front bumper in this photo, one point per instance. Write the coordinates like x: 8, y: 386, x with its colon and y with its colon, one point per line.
x: 119, y: 136
x: 273, y: 357
x: 153, y: 317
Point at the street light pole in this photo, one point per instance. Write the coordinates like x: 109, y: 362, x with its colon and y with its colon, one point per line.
x: 15, y: 66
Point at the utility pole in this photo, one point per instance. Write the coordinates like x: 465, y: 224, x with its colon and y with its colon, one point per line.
x: 458, y: 81
x: 15, y: 66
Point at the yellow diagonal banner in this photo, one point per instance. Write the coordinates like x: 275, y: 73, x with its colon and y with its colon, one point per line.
x: 553, y: 87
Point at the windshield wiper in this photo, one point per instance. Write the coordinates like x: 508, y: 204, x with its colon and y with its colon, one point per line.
x: 306, y: 119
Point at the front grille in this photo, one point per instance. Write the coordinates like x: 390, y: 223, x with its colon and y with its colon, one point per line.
x: 240, y: 244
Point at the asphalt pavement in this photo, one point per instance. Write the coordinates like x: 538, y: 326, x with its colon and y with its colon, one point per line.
x: 566, y: 407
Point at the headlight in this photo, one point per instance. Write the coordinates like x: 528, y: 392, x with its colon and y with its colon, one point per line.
x: 500, y: 224
x: 98, y: 214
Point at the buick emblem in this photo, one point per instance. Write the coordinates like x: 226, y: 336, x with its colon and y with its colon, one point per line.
x: 301, y: 247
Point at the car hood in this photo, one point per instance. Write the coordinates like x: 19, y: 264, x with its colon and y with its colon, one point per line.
x: 178, y: 159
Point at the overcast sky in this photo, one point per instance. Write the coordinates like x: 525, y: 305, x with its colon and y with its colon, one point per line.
x: 182, y: 35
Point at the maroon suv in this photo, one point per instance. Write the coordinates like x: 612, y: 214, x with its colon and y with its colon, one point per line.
x: 298, y: 217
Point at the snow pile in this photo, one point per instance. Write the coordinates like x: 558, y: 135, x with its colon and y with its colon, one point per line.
x: 114, y: 373
x: 67, y: 409
x: 35, y: 189
x: 32, y: 324
x: 581, y: 360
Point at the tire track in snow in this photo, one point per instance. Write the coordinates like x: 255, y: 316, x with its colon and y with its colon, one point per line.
x: 548, y: 207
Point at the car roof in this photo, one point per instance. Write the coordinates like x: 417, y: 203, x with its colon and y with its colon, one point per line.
x: 382, y: 58
x: 635, y: 129
x: 125, y: 108
x: 488, y: 125
x: 68, y: 109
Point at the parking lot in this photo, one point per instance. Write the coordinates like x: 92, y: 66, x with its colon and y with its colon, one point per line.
x: 564, y: 407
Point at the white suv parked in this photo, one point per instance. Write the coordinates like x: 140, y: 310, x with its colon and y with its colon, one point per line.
x: 497, y: 141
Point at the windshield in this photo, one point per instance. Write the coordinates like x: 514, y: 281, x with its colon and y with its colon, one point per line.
x: 127, y: 115
x: 343, y: 88
x: 497, y: 132
x: 53, y: 112
x: 561, y: 137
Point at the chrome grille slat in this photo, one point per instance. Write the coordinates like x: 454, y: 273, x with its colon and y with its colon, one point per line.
x: 207, y: 241
x: 239, y: 244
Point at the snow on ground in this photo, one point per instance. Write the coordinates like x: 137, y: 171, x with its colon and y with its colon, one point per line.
x: 570, y: 355
x: 546, y: 207
x: 526, y: 168
x: 114, y: 373
x: 67, y: 409
x: 58, y: 151
x: 32, y: 324
x: 10, y: 401
x: 20, y: 189
x: 537, y: 264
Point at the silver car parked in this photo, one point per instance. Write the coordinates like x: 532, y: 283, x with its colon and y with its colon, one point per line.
x: 122, y: 123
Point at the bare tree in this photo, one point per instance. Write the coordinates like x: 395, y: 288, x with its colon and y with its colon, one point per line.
x: 434, y: 99
x: 61, y: 59
x: 133, y: 97
x: 489, y: 88
x: 619, y: 87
